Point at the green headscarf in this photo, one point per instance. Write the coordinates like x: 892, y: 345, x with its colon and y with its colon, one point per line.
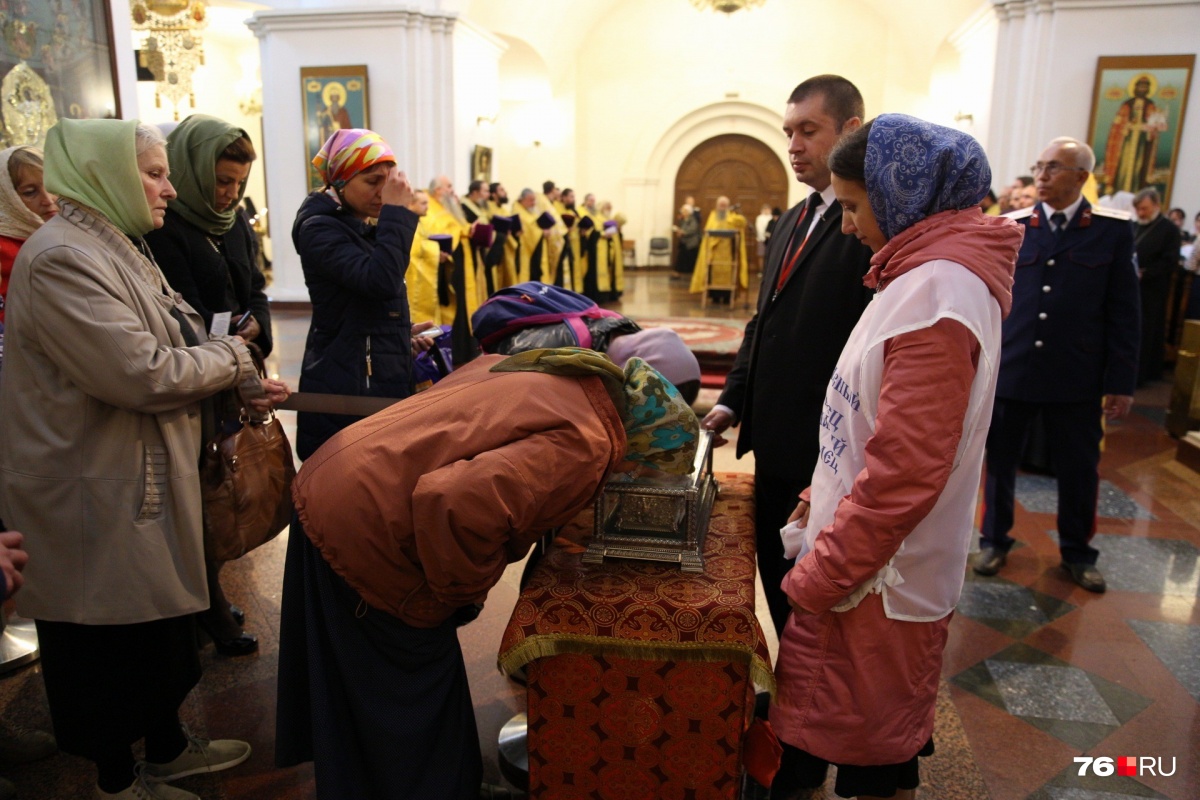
x: 94, y: 162
x: 661, y: 429
x: 193, y: 149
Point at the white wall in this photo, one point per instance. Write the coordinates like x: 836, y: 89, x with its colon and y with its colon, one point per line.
x: 409, y: 58
x: 1046, y: 69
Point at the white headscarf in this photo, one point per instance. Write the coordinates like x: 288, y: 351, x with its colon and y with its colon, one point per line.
x: 16, y: 220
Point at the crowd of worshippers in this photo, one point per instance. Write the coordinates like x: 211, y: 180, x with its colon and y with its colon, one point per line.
x: 895, y: 346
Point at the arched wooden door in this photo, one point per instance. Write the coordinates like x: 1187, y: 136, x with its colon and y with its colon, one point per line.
x: 737, y: 166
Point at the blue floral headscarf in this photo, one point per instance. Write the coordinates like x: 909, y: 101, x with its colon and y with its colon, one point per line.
x: 915, y: 169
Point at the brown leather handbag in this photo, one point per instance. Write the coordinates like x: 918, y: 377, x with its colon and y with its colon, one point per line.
x: 246, y: 474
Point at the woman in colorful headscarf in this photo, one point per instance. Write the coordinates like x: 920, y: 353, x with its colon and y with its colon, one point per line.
x: 882, y: 549
x: 207, y: 252
x: 406, y: 521
x: 105, y: 372
x: 24, y: 206
x: 354, y: 238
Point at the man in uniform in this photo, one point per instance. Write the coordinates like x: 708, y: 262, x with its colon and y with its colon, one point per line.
x: 1069, y: 349
x: 812, y: 295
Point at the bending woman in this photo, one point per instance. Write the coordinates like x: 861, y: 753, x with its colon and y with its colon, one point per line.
x: 883, y: 547
x: 205, y: 249
x: 407, y: 519
x: 99, y: 456
x: 360, y: 338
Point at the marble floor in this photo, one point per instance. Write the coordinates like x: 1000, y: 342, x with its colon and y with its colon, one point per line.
x: 1037, y: 671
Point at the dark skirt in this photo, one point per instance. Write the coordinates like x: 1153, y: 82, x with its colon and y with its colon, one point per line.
x: 108, y: 684
x: 383, y: 709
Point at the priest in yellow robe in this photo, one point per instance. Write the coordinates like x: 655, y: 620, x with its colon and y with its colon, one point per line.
x: 532, y: 250
x: 565, y: 206
x: 615, y: 247
x: 446, y: 217
x: 556, y: 235
x: 426, y: 261
x: 485, y: 255
x: 718, y: 251
x: 498, y: 199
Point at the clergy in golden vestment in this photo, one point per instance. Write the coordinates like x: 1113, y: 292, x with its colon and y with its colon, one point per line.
x: 565, y: 206
x: 718, y: 251
x: 497, y: 199
x: 531, y: 262
x: 556, y: 235
x: 427, y: 263
x: 446, y: 217
x: 611, y: 233
x: 485, y: 254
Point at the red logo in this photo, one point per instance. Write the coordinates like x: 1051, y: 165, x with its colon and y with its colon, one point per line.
x: 1127, y: 765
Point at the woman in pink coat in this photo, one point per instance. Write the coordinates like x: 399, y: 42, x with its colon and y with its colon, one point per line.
x: 881, y: 550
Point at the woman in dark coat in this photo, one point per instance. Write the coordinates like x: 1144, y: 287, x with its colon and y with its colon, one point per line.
x: 360, y: 338
x: 206, y: 250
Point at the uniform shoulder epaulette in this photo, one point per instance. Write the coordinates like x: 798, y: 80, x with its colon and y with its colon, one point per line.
x: 1115, y: 213
x: 1020, y: 213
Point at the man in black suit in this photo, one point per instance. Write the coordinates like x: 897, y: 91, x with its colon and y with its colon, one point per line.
x: 1069, y: 345
x: 1156, y: 241
x: 811, y: 297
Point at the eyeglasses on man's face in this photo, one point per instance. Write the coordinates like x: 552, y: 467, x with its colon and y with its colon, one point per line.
x: 1052, y: 168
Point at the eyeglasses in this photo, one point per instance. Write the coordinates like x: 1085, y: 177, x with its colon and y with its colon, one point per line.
x: 1052, y: 168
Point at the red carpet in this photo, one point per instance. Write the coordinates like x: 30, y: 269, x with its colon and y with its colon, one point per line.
x: 714, y: 341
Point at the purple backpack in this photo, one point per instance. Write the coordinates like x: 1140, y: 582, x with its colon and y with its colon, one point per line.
x: 530, y: 304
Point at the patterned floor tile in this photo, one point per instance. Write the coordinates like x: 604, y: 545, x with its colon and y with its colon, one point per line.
x: 1177, y: 646
x: 1039, y: 494
x: 1157, y: 566
x: 1008, y: 607
x: 1037, y: 690
x: 1069, y: 703
x: 1070, y: 785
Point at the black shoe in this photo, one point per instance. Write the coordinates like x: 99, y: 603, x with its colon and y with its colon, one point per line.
x: 238, y: 615
x: 242, y: 645
x: 990, y: 560
x: 1087, y: 576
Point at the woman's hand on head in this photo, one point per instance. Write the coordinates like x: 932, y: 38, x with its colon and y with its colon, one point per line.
x: 397, y: 191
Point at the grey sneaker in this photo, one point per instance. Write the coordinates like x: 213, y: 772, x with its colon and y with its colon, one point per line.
x: 141, y: 789
x: 200, y: 756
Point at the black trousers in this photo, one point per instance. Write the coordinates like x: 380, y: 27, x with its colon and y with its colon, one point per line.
x: 1073, y: 433
x: 775, y: 499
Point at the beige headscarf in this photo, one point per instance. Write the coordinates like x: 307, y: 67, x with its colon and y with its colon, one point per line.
x: 16, y: 220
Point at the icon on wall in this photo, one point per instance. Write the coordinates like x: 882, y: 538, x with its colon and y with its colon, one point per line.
x: 481, y: 164
x: 334, y: 98
x: 1138, y: 105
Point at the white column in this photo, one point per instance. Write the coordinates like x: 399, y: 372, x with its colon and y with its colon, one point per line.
x: 410, y: 100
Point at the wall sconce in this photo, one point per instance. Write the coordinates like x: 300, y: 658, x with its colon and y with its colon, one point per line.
x: 962, y: 117
x: 480, y: 121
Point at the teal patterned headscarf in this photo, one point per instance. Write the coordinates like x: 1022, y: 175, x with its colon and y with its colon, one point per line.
x: 661, y: 429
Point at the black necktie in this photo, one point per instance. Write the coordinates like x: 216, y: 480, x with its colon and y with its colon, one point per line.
x: 1059, y: 220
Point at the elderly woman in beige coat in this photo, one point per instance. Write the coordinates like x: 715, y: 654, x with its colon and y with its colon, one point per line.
x: 105, y: 370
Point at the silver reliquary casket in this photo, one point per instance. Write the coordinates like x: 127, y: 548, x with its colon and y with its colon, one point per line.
x: 657, y: 520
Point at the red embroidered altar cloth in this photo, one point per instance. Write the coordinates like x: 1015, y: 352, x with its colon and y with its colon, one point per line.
x: 640, y: 675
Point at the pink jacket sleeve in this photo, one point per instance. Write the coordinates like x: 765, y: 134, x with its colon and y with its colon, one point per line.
x: 926, y: 386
